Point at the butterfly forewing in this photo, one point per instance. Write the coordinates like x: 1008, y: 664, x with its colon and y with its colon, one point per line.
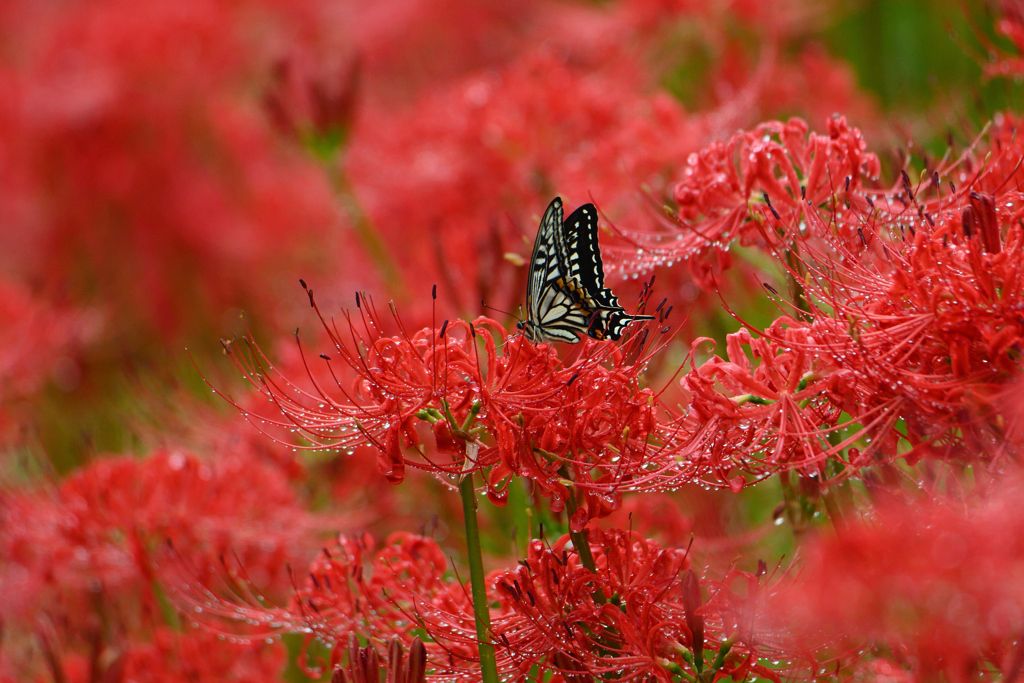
x: 544, y: 264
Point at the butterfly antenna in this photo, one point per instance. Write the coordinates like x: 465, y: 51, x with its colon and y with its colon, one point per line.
x: 501, y: 311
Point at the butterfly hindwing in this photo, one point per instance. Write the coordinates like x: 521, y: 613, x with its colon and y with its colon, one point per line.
x: 580, y: 232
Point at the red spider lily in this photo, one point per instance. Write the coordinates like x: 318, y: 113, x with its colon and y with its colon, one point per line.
x: 141, y: 173
x: 364, y: 666
x: 747, y: 419
x: 39, y: 342
x: 170, y: 656
x: 93, y: 540
x: 936, y: 582
x: 1011, y: 25
x: 479, y: 153
x: 638, y: 615
x: 905, y: 308
x: 775, y: 168
x: 587, y: 424
x: 351, y: 590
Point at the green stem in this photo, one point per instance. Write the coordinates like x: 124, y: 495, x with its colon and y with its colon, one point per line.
x: 518, y: 503
x: 488, y: 663
x: 582, y: 545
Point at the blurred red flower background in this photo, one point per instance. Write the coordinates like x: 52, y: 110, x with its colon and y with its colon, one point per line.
x: 803, y: 467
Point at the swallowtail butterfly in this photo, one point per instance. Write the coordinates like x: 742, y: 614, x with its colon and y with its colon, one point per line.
x: 565, y: 295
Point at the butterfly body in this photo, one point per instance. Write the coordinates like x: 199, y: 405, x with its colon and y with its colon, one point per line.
x: 565, y: 293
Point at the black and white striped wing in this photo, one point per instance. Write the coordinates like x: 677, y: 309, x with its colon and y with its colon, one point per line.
x: 607, y: 319
x: 584, y: 255
x: 553, y: 302
x: 565, y: 294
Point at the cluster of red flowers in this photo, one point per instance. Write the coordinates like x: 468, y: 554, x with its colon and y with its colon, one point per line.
x: 937, y: 582
x: 163, y: 165
x: 492, y: 401
x: 627, y: 605
x: 902, y: 321
x: 132, y: 157
x: 38, y: 342
x: 91, y: 545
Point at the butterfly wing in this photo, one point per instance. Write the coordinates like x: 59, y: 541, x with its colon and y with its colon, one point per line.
x: 545, y: 257
x: 608, y: 319
x: 565, y: 293
x: 584, y: 255
x: 553, y: 310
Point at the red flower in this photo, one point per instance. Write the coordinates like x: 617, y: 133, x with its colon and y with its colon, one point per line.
x: 363, y: 665
x: 141, y: 173
x: 170, y: 656
x: 636, y: 615
x: 38, y: 343
x: 97, y: 535
x: 351, y: 590
x: 585, y: 424
x: 902, y: 323
x: 938, y: 582
x: 639, y: 615
x: 728, y: 189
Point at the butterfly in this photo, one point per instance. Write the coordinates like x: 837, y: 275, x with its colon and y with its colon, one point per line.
x: 565, y: 295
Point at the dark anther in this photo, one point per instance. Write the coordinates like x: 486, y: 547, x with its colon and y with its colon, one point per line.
x: 472, y: 330
x: 444, y: 328
x: 870, y: 203
x: 529, y: 594
x: 567, y: 629
x: 769, y: 203
x: 803, y: 192
x: 952, y: 187
x: 433, y: 292
x: 913, y: 233
x: 357, y: 301
x: 572, y: 379
x: 906, y: 178
x: 663, y: 301
x: 847, y: 183
x: 666, y: 329
x: 310, y: 292
x: 303, y: 283
x: 315, y: 582
x: 770, y: 288
x: 935, y: 180
x: 668, y: 312
x: 505, y: 640
x: 325, y: 356
x: 554, y: 575
x: 861, y: 233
